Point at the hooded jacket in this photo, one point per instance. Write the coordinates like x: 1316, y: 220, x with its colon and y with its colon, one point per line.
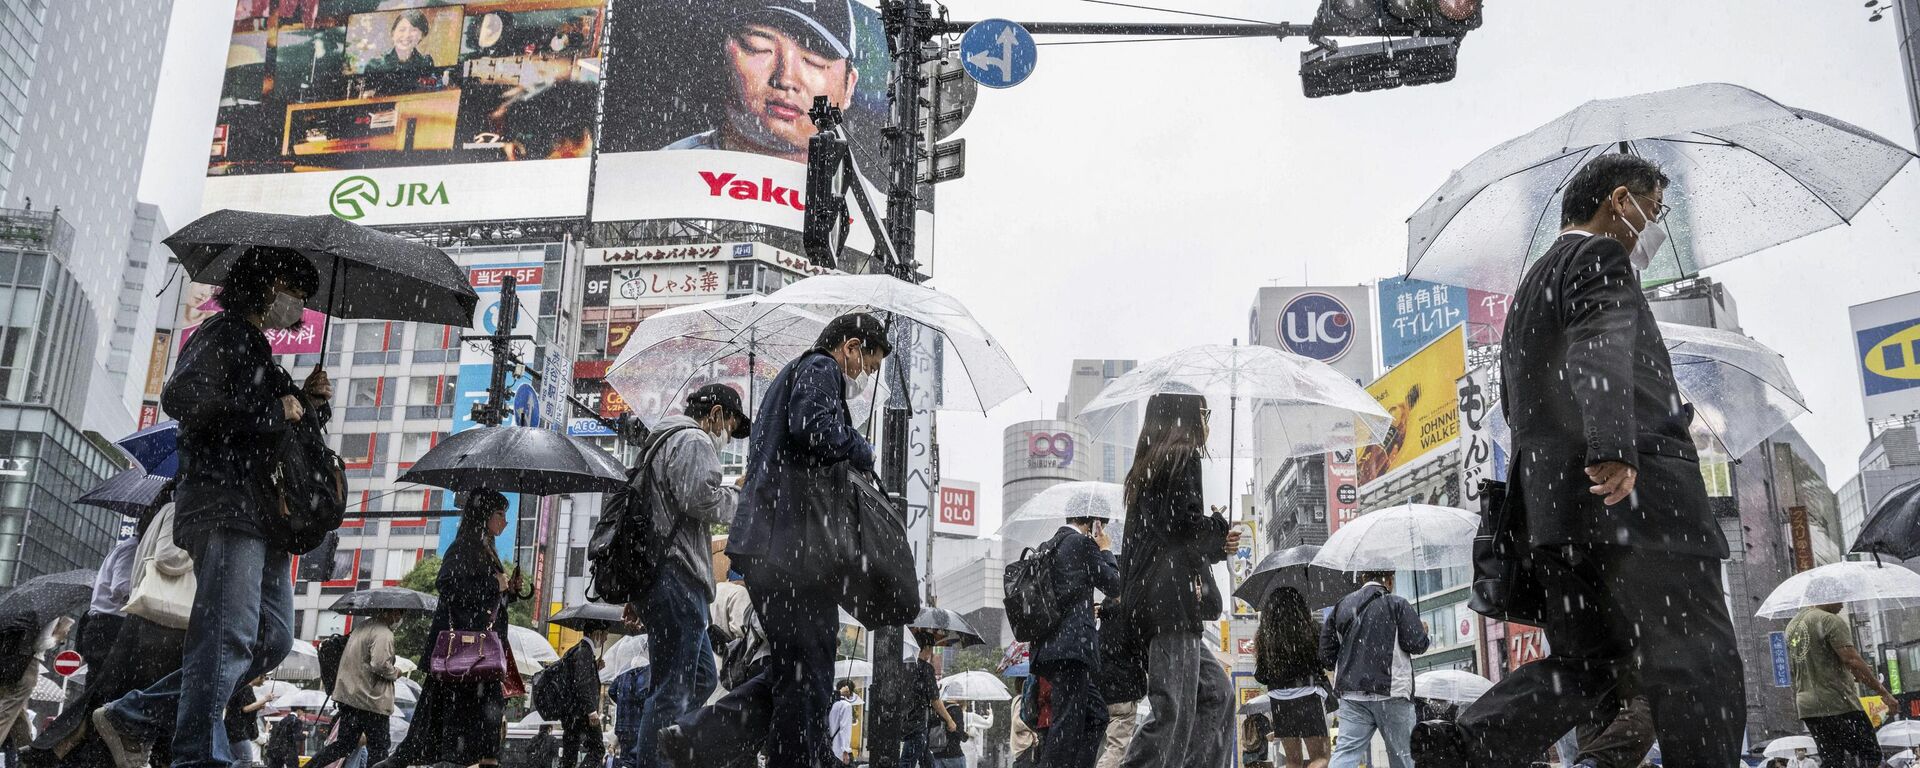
x: 1387, y: 628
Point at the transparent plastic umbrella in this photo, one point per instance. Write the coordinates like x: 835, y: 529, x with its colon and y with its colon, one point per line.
x: 850, y: 669
x: 1037, y: 520
x: 1785, y: 748
x: 974, y: 686
x: 531, y: 651
x: 972, y: 369
x: 1410, y: 537
x: 302, y: 663
x: 742, y: 342
x: 1876, y: 586
x: 1904, y: 734
x: 623, y: 655
x: 1451, y: 685
x: 1747, y: 173
x: 1278, y: 404
x: 1740, y: 389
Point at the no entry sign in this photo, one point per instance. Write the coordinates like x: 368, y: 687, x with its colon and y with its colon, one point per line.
x: 67, y: 663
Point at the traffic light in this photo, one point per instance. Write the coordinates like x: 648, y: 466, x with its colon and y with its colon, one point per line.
x: 1396, y: 18
x: 824, y: 228
x: 1378, y: 66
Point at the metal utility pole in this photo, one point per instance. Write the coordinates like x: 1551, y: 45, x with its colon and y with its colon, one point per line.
x: 494, y: 411
x: 909, y: 25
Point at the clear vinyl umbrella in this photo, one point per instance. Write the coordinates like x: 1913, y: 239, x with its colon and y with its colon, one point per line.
x: 1903, y: 734
x: 1747, y: 173
x: 1875, y: 585
x: 530, y: 649
x: 972, y: 369
x: 1037, y: 520
x: 1740, y: 389
x: 1453, y: 685
x: 1409, y: 537
x: 974, y: 686
x: 1787, y: 747
x: 741, y: 342
x: 1278, y: 404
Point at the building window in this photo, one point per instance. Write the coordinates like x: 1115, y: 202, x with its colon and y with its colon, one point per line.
x: 413, y: 445
x: 370, y: 399
x: 356, y: 449
x: 576, y: 562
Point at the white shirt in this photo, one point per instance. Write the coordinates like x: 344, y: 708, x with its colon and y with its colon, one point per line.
x: 840, y: 724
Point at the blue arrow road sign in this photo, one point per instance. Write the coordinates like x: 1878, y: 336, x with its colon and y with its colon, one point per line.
x: 998, y: 53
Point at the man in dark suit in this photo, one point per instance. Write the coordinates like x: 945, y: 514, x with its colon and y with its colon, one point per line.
x: 1069, y: 658
x: 1613, y: 503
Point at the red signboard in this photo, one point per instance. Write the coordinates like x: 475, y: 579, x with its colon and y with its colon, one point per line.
x: 67, y: 663
x: 956, y: 506
x: 1343, y: 489
x: 491, y: 276
x: 1525, y: 645
x: 149, y: 414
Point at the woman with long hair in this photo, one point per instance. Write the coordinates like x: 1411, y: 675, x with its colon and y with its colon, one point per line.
x: 464, y: 722
x: 1167, y: 590
x: 1287, y: 662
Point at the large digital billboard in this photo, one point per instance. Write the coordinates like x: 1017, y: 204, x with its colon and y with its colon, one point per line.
x: 408, y: 111
x: 1886, y: 336
x: 707, y: 104
x: 1421, y: 396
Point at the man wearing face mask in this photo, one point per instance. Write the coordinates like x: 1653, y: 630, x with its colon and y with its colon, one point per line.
x: 803, y: 424
x: 688, y: 488
x: 1611, y: 501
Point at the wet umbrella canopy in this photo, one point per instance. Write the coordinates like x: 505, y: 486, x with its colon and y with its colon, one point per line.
x: 1893, y: 527
x: 513, y: 459
x: 36, y: 601
x: 1410, y: 537
x: 974, y: 371
x: 1294, y: 567
x: 364, y: 273
x: 131, y: 492
x: 587, y: 617
x: 1871, y: 585
x: 1789, y: 747
x: 956, y: 630
x: 370, y: 601
x: 1037, y: 520
x: 1740, y: 389
x: 156, y: 449
x: 1747, y: 173
x: 1451, y: 685
x: 674, y: 353
x: 974, y: 686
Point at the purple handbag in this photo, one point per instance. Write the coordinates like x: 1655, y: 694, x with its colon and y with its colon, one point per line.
x: 467, y: 656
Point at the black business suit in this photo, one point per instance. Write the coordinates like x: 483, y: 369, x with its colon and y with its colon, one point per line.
x: 1586, y: 379
x: 1069, y: 657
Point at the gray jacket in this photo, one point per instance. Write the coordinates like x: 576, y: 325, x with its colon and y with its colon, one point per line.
x: 1388, y: 627
x: 691, y: 496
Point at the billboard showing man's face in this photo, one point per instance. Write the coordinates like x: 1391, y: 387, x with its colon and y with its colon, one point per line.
x: 737, y: 79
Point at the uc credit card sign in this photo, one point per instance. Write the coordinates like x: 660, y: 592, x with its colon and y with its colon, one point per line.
x: 1886, y: 337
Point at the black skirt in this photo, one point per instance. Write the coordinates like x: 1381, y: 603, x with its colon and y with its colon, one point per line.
x: 1301, y: 718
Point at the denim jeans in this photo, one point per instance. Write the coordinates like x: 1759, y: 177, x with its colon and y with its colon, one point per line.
x: 681, y: 656
x: 241, y: 628
x: 1192, y: 702
x: 1392, y: 718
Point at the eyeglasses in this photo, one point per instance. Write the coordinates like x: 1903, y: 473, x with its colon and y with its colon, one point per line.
x: 1206, y: 413
x: 1659, y: 214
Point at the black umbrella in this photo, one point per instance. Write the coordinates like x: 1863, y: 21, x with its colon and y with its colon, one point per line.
x: 36, y: 601
x: 958, y: 631
x: 517, y: 460
x: 1294, y: 568
x: 369, y: 601
x: 130, y: 493
x: 1894, y: 527
x: 587, y: 617
x: 364, y: 273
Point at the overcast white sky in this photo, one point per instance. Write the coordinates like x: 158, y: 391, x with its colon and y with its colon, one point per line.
x: 1128, y: 199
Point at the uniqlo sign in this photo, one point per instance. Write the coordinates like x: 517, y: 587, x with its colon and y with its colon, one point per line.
x: 958, y: 509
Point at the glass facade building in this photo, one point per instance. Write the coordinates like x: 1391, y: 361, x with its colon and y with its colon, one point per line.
x: 20, y: 25
x: 45, y: 463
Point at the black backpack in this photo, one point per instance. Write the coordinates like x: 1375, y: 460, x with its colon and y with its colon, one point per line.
x: 625, y: 553
x: 1033, y: 603
x: 331, y: 651
x: 310, y: 485
x: 550, y: 692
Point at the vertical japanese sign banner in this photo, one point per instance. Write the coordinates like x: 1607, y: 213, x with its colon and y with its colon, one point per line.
x: 476, y: 367
x: 1415, y: 312
x: 919, y: 348
x: 1343, y: 489
x: 1480, y: 457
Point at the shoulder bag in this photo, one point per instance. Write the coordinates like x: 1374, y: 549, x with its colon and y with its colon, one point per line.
x: 1509, y: 581
x: 469, y: 656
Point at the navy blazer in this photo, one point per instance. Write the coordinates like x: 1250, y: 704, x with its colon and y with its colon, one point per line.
x: 1079, y: 567
x: 802, y: 422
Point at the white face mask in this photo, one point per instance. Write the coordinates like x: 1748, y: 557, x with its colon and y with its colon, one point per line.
x: 856, y: 385
x: 1648, y: 240
x: 285, y: 311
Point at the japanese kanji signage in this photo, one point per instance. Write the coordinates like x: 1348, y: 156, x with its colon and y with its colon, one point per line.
x: 1415, y: 312
x: 1480, y: 458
